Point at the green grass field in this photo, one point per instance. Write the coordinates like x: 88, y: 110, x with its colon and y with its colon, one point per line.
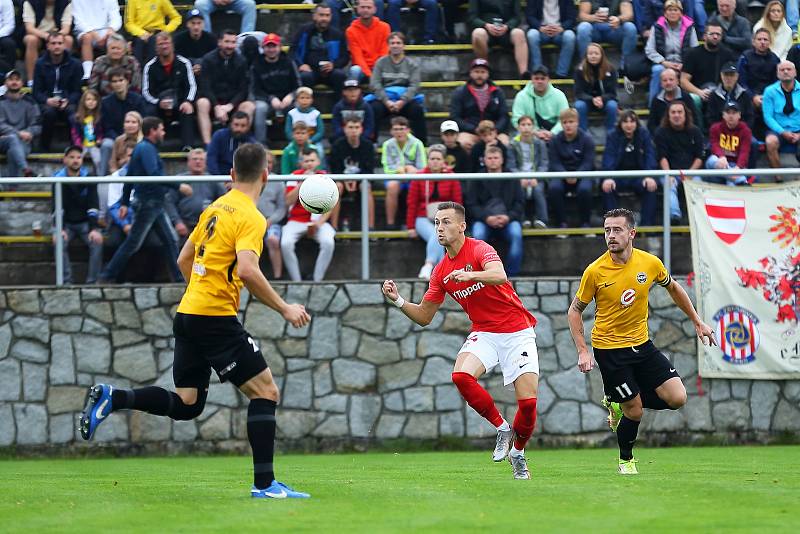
x: 679, y: 489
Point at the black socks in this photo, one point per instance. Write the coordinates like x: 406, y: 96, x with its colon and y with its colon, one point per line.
x: 261, y: 435
x: 627, y: 431
x: 158, y: 401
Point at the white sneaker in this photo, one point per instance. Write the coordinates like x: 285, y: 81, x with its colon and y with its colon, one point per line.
x: 425, y: 272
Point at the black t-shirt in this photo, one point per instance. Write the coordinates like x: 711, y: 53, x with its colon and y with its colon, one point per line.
x: 705, y: 66
x: 628, y: 162
x: 194, y: 50
x: 317, y: 49
x: 679, y: 147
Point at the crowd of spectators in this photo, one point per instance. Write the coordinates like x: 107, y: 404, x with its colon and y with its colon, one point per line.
x: 720, y: 90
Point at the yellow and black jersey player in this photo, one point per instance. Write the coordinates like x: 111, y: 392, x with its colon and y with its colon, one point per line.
x: 220, y: 257
x: 635, y: 373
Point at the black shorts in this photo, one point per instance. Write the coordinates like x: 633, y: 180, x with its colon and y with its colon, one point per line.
x: 502, y: 41
x: 632, y: 369
x: 204, y: 342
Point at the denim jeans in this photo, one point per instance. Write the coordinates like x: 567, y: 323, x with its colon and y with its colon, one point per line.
x: 106, y: 149
x: 792, y: 14
x: 511, y: 233
x: 16, y: 151
x: 245, y: 8
x: 610, y: 111
x: 336, y: 11
x: 431, y: 16
x: 556, y: 193
x: 564, y: 40
x: 81, y: 231
x: 434, y: 252
x: 537, y: 197
x: 711, y: 163
x: 647, y: 198
x: 600, y: 32
x: 149, y: 214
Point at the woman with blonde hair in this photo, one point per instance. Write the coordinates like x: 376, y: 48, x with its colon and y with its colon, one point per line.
x: 132, y: 132
x: 774, y: 21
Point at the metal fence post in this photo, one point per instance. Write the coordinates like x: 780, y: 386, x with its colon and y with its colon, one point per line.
x: 365, y: 192
x: 59, y: 240
x: 667, y: 220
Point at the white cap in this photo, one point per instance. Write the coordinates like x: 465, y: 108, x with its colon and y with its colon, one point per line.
x: 449, y: 126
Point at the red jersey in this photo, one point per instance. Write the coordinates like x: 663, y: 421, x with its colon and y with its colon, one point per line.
x: 490, y: 308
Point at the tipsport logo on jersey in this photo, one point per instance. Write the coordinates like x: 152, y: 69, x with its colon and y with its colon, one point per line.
x: 737, y: 334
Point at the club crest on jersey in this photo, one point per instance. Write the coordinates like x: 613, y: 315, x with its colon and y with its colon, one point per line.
x: 641, y: 278
x: 737, y: 334
x: 468, y: 267
x: 627, y: 297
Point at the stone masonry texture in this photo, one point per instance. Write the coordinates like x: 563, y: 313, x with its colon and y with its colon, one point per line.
x: 360, y: 374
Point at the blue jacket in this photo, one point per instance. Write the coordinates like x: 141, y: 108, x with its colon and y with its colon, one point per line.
x: 642, y: 145
x: 145, y: 161
x: 773, y: 104
x: 575, y: 155
x: 221, y: 149
x: 335, y: 42
x: 66, y: 76
x: 568, y: 13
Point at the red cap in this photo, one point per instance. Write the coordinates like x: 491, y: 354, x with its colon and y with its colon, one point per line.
x: 271, y: 38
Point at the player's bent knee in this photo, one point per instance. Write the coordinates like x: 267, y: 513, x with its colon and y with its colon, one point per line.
x: 678, y: 401
x: 193, y: 406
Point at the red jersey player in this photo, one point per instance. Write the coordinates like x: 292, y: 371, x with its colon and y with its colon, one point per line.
x: 502, y: 330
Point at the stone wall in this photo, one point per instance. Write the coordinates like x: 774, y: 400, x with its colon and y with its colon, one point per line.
x: 359, y: 374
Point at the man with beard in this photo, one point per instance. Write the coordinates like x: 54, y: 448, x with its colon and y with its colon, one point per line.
x: 19, y: 125
x: 320, y: 51
x: 702, y: 65
x: 275, y: 79
x: 478, y: 99
x: 56, y: 86
x: 225, y: 142
x: 224, y: 86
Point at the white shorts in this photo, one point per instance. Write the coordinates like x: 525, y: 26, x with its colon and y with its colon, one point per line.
x: 99, y: 33
x: 514, y: 351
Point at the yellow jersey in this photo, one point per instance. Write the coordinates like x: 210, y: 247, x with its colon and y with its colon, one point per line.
x: 229, y: 225
x: 621, y: 294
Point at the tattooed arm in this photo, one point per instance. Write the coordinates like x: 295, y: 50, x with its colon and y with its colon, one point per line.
x: 575, y: 320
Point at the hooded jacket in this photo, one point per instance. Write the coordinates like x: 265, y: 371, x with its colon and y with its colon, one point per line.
x: 276, y: 79
x: 225, y: 80
x: 335, y: 45
x: 18, y: 115
x: 80, y: 203
x: 616, y: 143
x: 547, y: 106
x: 368, y: 44
x: 221, y: 148
x: 656, y: 48
x: 360, y: 109
x: 423, y: 192
x: 483, y: 196
x: 465, y: 111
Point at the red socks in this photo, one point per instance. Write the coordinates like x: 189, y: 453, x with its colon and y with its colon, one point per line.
x: 524, y: 422
x: 479, y: 398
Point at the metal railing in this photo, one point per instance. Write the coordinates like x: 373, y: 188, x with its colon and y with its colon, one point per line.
x: 364, y: 179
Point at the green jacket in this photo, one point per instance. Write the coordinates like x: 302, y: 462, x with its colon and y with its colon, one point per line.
x: 290, y: 160
x: 548, y: 106
x: 412, y: 153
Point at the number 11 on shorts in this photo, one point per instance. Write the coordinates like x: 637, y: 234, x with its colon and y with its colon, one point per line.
x: 623, y: 390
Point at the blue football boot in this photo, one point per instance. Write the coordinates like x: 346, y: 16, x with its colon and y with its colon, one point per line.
x: 277, y: 490
x: 96, y: 410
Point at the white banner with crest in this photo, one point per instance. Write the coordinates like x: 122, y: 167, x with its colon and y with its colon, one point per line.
x: 746, y: 257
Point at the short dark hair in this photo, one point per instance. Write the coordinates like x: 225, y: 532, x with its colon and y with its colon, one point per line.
x: 494, y: 149
x: 53, y: 33
x: 117, y: 72
x: 763, y: 30
x: 149, y: 124
x: 399, y: 121
x: 621, y: 212
x: 228, y: 31
x: 458, y: 208
x: 308, y: 151
x: 353, y: 118
x: 240, y: 115
x: 249, y: 162
x: 399, y: 35
x: 321, y: 5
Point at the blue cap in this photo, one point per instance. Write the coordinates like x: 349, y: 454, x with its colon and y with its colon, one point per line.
x: 193, y: 13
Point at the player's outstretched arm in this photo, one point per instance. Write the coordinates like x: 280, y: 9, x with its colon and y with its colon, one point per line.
x: 421, y: 313
x: 681, y: 299
x: 249, y: 271
x: 575, y: 320
x: 186, y: 259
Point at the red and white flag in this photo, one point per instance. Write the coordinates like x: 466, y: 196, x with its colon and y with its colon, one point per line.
x: 727, y: 218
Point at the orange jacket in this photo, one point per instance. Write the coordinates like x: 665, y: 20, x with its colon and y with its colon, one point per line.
x: 367, y: 44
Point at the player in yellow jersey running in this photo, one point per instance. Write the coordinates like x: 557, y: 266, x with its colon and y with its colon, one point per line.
x: 219, y: 258
x: 635, y: 373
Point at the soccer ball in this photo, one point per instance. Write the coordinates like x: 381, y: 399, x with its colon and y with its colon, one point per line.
x: 318, y: 194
